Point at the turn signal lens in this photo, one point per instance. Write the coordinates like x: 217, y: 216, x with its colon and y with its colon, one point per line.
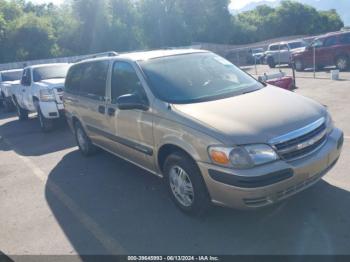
x: 219, y: 156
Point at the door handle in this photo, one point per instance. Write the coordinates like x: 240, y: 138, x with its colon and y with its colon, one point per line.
x: 102, y: 110
x: 111, y: 111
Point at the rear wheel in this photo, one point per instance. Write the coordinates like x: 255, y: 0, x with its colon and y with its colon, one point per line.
x: 22, y: 113
x: 342, y: 63
x: 271, y: 62
x: 84, y: 142
x: 186, y: 185
x: 46, y: 125
x: 299, y: 65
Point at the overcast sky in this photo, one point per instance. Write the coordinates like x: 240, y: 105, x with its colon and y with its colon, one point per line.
x: 236, y: 4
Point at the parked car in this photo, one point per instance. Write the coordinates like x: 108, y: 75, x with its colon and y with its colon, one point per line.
x: 7, y: 79
x: 212, y: 131
x: 280, y: 80
x: 330, y: 50
x: 280, y: 53
x: 41, y: 91
x: 256, y: 56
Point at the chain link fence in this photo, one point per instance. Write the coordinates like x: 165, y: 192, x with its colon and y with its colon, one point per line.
x: 310, y: 63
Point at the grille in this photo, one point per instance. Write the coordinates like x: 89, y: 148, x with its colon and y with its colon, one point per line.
x: 59, y: 94
x: 307, y: 141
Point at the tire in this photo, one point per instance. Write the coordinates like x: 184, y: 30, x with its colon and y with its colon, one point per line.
x: 179, y: 166
x: 342, y: 62
x: 271, y: 62
x: 84, y: 142
x: 8, y: 105
x: 22, y: 113
x: 320, y: 67
x: 299, y: 65
x: 46, y: 125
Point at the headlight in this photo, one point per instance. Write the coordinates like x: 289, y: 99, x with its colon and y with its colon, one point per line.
x: 243, y: 157
x: 47, y: 95
x: 329, y: 124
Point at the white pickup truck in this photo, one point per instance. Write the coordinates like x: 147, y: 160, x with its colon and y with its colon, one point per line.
x: 41, y: 91
x: 7, y: 80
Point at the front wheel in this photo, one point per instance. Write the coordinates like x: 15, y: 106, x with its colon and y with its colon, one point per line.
x: 22, y: 113
x: 342, y: 63
x: 46, y: 125
x: 186, y: 185
x: 9, y: 107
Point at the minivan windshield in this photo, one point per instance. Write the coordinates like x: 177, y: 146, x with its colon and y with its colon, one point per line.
x: 11, y: 76
x: 50, y: 72
x: 196, y: 77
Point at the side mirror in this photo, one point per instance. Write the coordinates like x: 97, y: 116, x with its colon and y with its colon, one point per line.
x: 130, y: 102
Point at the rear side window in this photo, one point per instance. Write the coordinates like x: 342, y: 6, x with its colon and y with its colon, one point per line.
x: 295, y: 45
x: 345, y: 39
x: 11, y: 75
x: 284, y: 47
x: 331, y: 41
x: 74, y: 78
x: 93, y: 80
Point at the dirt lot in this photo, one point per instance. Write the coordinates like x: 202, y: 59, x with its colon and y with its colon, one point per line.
x: 54, y: 201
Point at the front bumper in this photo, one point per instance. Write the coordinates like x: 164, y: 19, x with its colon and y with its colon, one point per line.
x: 51, y: 110
x: 271, y: 183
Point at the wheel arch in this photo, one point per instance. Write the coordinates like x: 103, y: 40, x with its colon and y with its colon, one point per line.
x: 169, y: 148
x: 341, y: 54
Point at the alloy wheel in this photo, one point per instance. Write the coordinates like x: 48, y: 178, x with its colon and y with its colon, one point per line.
x: 181, y: 186
x: 342, y: 63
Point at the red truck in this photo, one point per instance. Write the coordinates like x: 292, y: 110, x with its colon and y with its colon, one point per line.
x: 332, y: 49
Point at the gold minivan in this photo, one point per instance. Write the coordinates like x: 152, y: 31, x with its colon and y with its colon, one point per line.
x: 212, y: 131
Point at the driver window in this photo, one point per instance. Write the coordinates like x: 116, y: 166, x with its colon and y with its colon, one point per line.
x: 125, y: 81
x: 26, y: 79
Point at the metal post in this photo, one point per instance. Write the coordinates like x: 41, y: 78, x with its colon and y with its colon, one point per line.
x: 256, y: 68
x: 294, y: 78
x: 314, y: 62
x: 279, y: 55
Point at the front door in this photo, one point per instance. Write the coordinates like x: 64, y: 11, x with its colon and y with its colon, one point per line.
x: 25, y: 90
x: 132, y: 130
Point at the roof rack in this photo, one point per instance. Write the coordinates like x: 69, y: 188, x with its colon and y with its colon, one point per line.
x: 98, y: 55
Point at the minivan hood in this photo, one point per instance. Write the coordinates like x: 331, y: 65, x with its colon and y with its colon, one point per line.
x: 255, y: 117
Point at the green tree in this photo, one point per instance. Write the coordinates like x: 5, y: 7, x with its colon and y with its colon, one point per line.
x: 31, y: 38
